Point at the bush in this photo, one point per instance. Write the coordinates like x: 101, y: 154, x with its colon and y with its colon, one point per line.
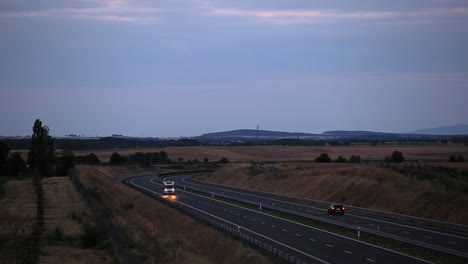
x: 396, y: 157
x: 323, y: 158
x: 15, y: 165
x: 90, y: 159
x: 340, y: 159
x: 223, y: 160
x: 457, y: 159
x: 92, y: 235
x: 117, y: 159
x: 355, y: 159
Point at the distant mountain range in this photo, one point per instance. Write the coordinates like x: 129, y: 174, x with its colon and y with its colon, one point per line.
x: 245, y: 134
x: 461, y: 129
x: 252, y: 133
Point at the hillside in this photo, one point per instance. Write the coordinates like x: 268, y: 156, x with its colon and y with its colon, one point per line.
x: 446, y: 130
x: 436, y: 191
x: 252, y: 133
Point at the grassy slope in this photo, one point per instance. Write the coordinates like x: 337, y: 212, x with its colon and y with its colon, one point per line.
x: 371, y: 186
x: 65, y: 210
x: 160, y: 232
x: 17, y: 214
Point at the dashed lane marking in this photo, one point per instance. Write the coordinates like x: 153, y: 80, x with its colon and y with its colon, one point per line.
x: 328, y: 245
x: 371, y: 260
x: 349, y: 252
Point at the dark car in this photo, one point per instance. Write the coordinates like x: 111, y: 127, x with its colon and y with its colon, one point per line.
x: 336, y: 208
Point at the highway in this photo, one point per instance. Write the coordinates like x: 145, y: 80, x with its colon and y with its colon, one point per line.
x: 447, y: 241
x: 306, y: 244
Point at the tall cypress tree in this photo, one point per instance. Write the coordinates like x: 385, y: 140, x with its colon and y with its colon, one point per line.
x: 41, y: 156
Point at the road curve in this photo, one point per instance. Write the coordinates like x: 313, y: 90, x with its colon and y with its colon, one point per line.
x: 454, y: 243
x: 310, y: 245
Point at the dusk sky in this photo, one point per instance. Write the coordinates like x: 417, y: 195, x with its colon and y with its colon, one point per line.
x: 188, y: 67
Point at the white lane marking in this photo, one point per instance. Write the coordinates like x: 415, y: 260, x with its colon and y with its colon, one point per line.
x: 273, y: 226
x: 237, y: 213
x: 451, y: 242
x: 371, y: 260
x: 349, y: 252
x: 262, y: 223
x: 314, y: 228
x: 298, y: 235
x: 253, y: 219
x: 328, y: 245
x: 363, y: 217
x: 428, y: 237
x: 258, y: 234
x: 311, y: 239
x: 406, y: 232
x: 285, y: 230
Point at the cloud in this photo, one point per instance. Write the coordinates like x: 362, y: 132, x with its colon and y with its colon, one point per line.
x: 311, y: 15
x: 109, y: 10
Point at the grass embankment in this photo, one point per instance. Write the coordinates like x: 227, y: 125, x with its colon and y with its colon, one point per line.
x: 430, y: 190
x: 17, y: 216
x: 65, y: 217
x: 161, y: 233
x: 69, y: 231
x: 405, y: 248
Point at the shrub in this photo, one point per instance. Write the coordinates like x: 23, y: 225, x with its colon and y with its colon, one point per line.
x: 355, y: 159
x: 117, y: 159
x: 396, y: 157
x: 340, y: 159
x: 323, y: 158
x: 223, y: 160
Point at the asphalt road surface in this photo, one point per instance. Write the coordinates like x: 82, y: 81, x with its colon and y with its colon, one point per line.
x: 448, y: 241
x: 308, y: 244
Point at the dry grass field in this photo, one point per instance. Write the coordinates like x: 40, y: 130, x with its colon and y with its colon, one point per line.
x: 288, y: 153
x: 64, y: 213
x: 432, y: 190
x: 17, y: 215
x: 159, y: 232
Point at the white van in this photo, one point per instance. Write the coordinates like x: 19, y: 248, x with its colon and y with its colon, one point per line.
x: 169, y: 187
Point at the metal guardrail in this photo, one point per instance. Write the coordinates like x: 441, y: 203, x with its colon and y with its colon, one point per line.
x: 353, y: 209
x: 247, y: 236
x: 349, y: 226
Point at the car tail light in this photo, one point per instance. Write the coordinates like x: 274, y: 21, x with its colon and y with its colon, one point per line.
x: 344, y: 208
x: 333, y: 208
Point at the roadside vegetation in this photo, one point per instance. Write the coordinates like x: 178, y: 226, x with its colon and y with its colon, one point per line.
x: 158, y: 232
x: 431, y: 190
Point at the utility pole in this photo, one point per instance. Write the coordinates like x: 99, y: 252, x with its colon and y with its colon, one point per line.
x: 257, y: 133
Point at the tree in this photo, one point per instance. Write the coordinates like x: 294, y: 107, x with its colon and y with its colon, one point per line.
x: 340, y: 159
x: 396, y: 156
x: 64, y: 163
x: 15, y: 165
x: 453, y: 159
x: 323, y: 158
x: 117, y: 159
x: 355, y: 159
x: 223, y: 160
x: 41, y: 156
x: 90, y: 159
x: 4, y: 151
x: 205, y: 160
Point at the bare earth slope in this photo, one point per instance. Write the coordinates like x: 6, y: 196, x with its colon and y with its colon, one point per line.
x: 364, y: 185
